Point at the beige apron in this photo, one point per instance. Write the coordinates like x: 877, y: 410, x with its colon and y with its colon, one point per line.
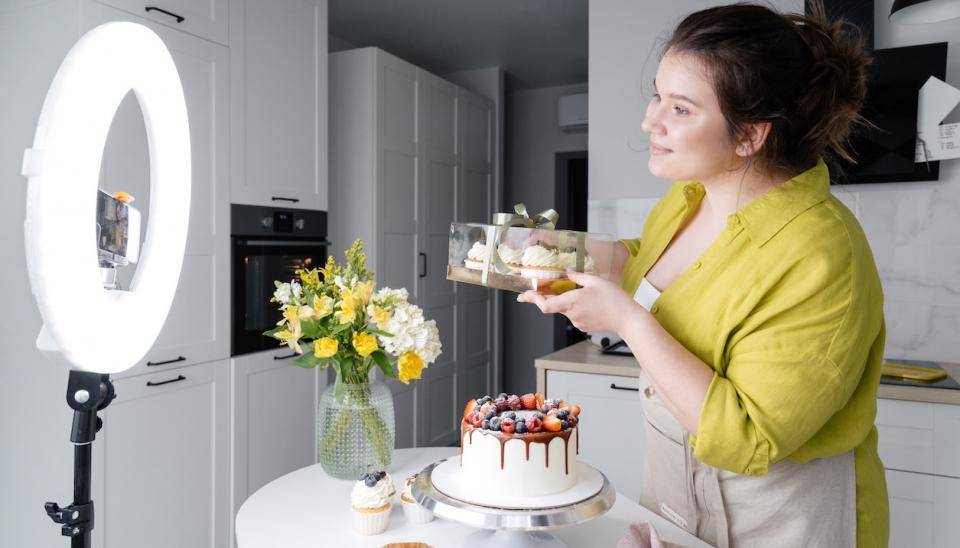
x: 812, y: 504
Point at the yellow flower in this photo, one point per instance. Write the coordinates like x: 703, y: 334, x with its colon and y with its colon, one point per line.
x: 291, y: 316
x: 379, y: 315
x: 347, y: 312
x: 325, y: 347
x: 410, y: 365
x: 291, y: 335
x: 322, y: 306
x: 346, y: 295
x: 364, y: 343
x: 362, y: 292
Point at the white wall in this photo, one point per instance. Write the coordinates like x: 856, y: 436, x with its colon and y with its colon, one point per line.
x: 913, y: 227
x: 533, y: 139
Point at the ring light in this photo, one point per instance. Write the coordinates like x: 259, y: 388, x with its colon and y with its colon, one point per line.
x: 94, y: 329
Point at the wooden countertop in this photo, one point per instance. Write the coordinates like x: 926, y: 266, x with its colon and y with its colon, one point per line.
x: 585, y: 357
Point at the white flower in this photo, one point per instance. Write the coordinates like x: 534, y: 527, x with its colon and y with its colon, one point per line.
x: 283, y: 293
x: 411, y: 333
x: 296, y: 290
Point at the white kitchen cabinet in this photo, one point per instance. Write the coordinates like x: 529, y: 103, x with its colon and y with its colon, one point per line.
x: 161, y: 474
x: 611, y: 424
x: 197, y: 329
x: 275, y: 405
x: 278, y: 83
x: 204, y: 18
x: 924, y: 510
x: 411, y: 153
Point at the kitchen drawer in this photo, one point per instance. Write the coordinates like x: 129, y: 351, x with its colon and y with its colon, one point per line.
x: 923, y: 510
x: 906, y: 435
x: 611, y: 425
x: 203, y: 18
x: 919, y: 436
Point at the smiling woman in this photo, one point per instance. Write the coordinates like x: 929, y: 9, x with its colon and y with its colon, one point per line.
x: 752, y: 302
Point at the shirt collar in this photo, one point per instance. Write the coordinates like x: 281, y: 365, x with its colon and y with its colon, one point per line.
x: 766, y: 215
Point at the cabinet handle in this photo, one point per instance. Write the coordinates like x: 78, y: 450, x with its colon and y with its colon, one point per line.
x: 179, y: 18
x: 423, y: 265
x: 285, y: 356
x: 282, y: 199
x: 613, y: 386
x: 178, y: 379
x: 177, y: 359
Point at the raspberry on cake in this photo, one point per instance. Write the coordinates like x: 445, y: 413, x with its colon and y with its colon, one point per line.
x: 496, y: 435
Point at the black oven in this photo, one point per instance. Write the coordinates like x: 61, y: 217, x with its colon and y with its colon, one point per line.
x: 268, y: 244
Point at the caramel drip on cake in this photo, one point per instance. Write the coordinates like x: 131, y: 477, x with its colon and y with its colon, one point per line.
x: 540, y: 437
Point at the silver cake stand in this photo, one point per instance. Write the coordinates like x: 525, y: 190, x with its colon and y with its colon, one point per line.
x: 511, y: 527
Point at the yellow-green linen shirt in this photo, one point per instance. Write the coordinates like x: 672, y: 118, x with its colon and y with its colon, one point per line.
x: 786, y: 306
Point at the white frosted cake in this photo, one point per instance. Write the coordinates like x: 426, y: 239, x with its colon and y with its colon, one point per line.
x: 522, y: 445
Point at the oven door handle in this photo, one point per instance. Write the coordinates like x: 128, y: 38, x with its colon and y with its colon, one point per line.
x: 289, y: 243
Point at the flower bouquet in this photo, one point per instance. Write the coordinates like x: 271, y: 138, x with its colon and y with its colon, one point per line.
x: 333, y: 317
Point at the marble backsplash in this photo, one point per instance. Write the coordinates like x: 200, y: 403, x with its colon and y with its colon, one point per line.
x: 914, y: 231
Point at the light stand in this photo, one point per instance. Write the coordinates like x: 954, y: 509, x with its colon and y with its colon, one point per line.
x: 87, y: 393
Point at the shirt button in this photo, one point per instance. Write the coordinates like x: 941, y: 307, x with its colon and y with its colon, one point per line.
x: 655, y: 309
x: 689, y: 191
x: 734, y: 220
x: 697, y: 265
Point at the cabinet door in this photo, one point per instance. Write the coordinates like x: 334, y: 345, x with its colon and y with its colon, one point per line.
x: 275, y: 406
x: 923, y: 510
x: 437, y: 205
x: 161, y: 474
x: 278, y: 53
x: 203, y: 18
x: 611, y: 424
x: 397, y: 246
x: 475, y: 305
x: 197, y: 328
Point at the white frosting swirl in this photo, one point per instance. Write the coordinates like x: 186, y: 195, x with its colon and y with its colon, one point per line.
x: 478, y: 252
x: 540, y: 256
x: 372, y: 497
x: 509, y: 254
x: 569, y: 260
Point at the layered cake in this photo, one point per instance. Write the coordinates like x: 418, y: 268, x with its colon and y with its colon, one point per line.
x: 523, y: 445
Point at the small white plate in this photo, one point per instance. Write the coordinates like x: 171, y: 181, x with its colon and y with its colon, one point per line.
x: 446, y: 479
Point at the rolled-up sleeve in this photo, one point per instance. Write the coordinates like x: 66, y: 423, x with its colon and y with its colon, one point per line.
x: 791, y: 365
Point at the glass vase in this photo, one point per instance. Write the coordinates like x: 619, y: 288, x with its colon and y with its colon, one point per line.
x: 355, y: 429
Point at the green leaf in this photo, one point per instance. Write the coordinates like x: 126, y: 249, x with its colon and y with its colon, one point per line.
x: 310, y: 329
x: 307, y: 360
x: 383, y: 362
x: 340, y: 328
x: 380, y: 332
x: 274, y: 331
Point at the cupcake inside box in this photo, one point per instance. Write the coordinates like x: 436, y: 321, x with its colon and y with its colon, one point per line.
x: 530, y: 258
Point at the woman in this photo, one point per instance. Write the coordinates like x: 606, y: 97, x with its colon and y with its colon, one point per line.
x: 756, y: 311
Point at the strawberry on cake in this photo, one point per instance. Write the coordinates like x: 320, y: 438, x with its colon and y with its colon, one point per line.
x: 524, y: 445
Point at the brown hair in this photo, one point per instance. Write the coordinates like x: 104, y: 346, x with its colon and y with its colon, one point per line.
x: 804, y: 74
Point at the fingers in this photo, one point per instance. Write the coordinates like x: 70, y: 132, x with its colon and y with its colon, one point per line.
x: 548, y: 304
x: 581, y: 278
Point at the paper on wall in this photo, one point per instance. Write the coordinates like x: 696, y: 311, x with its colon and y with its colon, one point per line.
x: 935, y: 141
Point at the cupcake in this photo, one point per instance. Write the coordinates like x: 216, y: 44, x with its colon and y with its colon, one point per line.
x: 476, y: 256
x: 512, y: 256
x: 569, y: 260
x: 540, y: 262
x: 411, y: 509
x: 370, y: 500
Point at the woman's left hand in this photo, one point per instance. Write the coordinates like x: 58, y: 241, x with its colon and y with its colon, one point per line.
x: 599, y: 305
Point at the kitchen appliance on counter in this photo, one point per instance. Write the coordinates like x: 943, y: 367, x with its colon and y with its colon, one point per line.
x: 268, y: 244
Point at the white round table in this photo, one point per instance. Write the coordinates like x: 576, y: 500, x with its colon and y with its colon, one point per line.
x: 307, y: 508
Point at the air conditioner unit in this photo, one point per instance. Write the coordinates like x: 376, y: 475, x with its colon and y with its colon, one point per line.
x: 572, y: 112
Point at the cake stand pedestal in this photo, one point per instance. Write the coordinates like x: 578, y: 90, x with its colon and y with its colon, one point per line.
x: 521, y: 522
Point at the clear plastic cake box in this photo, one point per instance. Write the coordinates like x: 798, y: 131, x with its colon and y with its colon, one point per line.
x: 581, y: 251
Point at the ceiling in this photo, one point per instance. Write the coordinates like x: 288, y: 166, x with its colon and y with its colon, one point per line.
x: 538, y: 43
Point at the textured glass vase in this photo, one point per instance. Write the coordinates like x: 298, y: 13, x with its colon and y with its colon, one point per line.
x: 355, y: 429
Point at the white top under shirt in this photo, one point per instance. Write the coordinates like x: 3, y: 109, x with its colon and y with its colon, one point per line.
x: 646, y: 294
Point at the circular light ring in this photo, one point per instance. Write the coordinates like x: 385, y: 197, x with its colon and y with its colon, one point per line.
x: 96, y: 329
x: 918, y: 12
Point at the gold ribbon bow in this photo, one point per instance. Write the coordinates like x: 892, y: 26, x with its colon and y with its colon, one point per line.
x: 499, y: 224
